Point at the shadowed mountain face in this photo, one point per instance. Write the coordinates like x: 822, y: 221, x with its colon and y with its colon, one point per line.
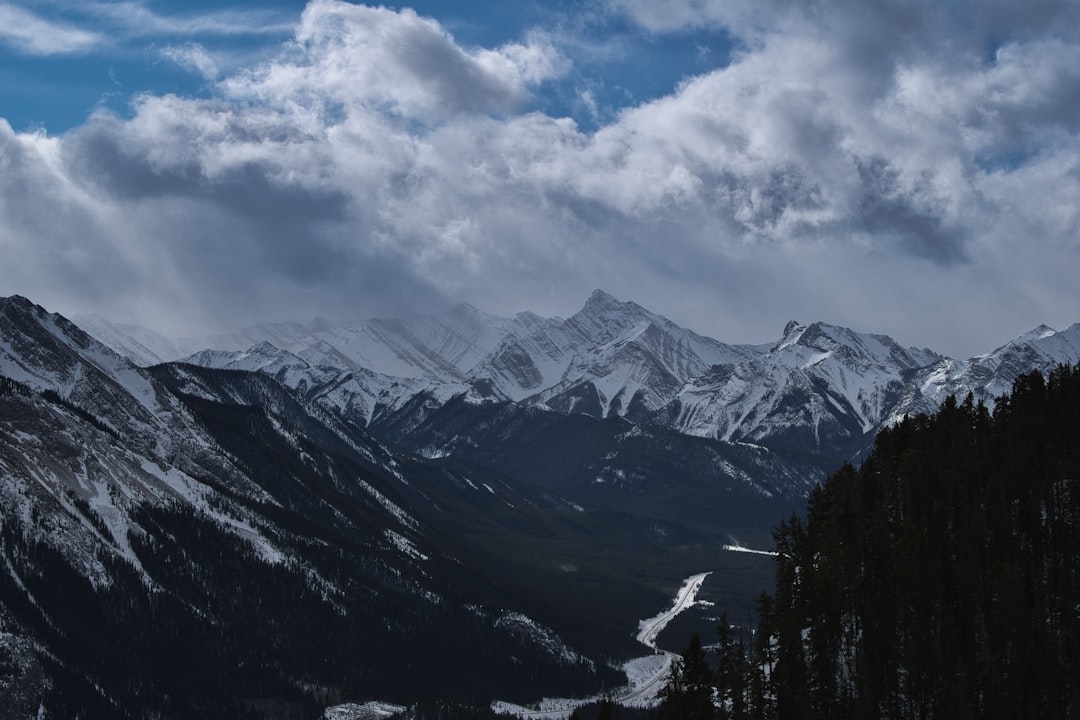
x: 192, y: 541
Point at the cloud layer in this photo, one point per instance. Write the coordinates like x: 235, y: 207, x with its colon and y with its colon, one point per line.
x: 33, y: 35
x: 898, y: 166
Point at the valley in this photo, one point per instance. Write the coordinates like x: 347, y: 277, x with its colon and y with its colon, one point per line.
x: 290, y: 521
x: 646, y: 675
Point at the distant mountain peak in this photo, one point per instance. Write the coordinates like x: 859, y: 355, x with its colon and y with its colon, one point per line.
x: 1037, y: 333
x: 20, y: 301
x: 20, y: 305
x: 265, y: 347
x: 606, y: 309
x: 601, y: 301
x: 599, y: 295
x: 821, y: 385
x: 464, y: 309
x: 818, y: 336
x: 793, y: 333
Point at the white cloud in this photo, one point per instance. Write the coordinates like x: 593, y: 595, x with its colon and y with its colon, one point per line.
x: 137, y: 18
x: 71, y: 28
x: 357, y: 56
x: 192, y: 57
x: 34, y: 35
x: 376, y: 161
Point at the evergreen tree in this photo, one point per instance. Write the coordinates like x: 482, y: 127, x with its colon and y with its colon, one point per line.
x: 731, y: 672
x: 689, y: 691
x: 608, y: 710
x: 941, y: 578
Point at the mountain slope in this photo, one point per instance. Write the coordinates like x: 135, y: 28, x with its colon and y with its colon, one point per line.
x: 821, y: 389
x: 992, y: 374
x: 187, y: 541
x: 634, y: 360
x: 358, y: 395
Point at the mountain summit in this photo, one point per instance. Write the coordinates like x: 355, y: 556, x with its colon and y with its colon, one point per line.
x: 819, y: 388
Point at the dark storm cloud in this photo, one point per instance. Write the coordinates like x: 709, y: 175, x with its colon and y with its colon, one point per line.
x: 244, y: 214
x: 909, y: 217
x: 33, y: 205
x: 100, y: 157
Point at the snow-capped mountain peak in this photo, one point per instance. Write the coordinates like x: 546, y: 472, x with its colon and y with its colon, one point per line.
x: 819, y: 386
x: 603, y: 317
x: 991, y: 374
x: 1037, y: 333
x: 263, y: 356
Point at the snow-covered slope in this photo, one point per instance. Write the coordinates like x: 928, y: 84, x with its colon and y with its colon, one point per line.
x: 820, y: 387
x: 359, y: 395
x: 991, y: 374
x: 632, y: 361
x: 438, y: 347
x: 142, y: 345
x: 187, y: 512
x: 625, y: 358
x: 49, y: 353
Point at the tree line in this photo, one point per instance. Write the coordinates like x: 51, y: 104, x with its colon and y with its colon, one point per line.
x: 939, y: 579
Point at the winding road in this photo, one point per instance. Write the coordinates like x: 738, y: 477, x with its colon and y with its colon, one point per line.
x: 642, y: 689
x: 650, y: 629
x: 646, y: 675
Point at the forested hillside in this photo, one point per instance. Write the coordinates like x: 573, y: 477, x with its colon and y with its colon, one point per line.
x: 940, y: 579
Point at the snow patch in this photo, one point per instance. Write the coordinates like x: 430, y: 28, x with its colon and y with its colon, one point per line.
x: 404, y: 545
x: 365, y: 711
x: 741, y: 549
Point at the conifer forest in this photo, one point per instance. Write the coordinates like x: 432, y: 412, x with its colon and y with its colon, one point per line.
x: 939, y: 579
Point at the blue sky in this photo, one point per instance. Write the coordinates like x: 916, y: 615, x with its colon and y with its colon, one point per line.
x: 908, y: 167
x: 113, y: 55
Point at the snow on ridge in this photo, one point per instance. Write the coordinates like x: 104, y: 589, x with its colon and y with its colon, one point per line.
x: 857, y: 381
x: 403, y: 517
x: 404, y: 545
x: 372, y: 710
x: 524, y: 626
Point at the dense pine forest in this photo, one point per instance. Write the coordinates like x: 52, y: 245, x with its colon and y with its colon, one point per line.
x: 940, y: 579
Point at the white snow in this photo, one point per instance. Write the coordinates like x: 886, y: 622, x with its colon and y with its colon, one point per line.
x: 741, y: 549
x: 403, y: 517
x: 519, y: 624
x: 646, y: 676
x: 365, y: 711
x: 404, y: 545
x: 623, y: 349
x: 649, y: 629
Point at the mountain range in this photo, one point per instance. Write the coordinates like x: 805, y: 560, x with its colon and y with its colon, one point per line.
x: 454, y: 507
x: 190, y: 541
x: 819, y: 388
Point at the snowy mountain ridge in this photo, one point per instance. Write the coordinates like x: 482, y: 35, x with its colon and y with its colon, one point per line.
x: 820, y: 387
